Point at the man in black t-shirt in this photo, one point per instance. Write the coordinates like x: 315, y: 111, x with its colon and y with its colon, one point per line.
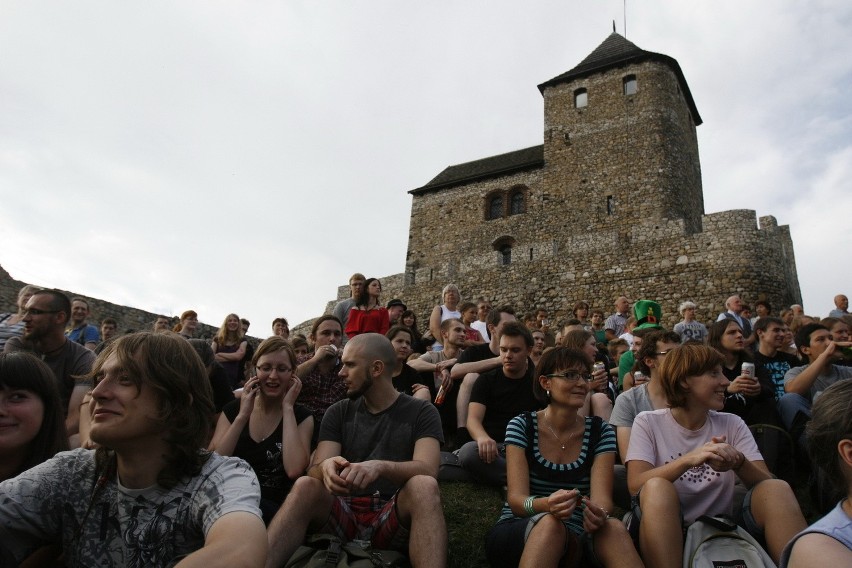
x: 771, y: 364
x: 474, y: 361
x: 498, y: 396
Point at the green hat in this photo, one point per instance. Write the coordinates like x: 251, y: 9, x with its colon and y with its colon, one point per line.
x: 648, y: 314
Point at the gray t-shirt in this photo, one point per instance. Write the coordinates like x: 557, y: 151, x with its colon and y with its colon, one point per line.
x: 341, y: 311
x: 72, y: 360
x: 120, y: 527
x: 389, y: 435
x: 629, y: 404
x: 691, y: 331
x: 833, y: 374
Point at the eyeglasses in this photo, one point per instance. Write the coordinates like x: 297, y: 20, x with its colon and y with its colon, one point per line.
x: 664, y: 352
x: 266, y: 369
x: 38, y: 312
x: 572, y: 376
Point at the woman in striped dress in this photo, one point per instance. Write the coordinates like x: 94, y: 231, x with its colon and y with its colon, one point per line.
x: 559, y: 469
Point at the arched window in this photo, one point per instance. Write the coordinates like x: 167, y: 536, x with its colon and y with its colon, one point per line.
x: 581, y: 98
x: 506, y: 254
x: 516, y: 203
x: 503, y: 246
x: 629, y: 84
x: 495, y: 207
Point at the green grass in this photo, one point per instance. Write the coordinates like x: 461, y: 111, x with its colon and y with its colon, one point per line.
x: 470, y: 510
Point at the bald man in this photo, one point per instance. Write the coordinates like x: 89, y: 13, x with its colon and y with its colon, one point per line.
x: 373, y: 475
x: 841, y: 307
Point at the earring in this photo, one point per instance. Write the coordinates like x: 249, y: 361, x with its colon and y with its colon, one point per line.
x: 548, y: 394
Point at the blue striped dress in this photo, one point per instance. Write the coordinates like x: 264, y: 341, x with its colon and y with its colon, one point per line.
x: 546, y: 476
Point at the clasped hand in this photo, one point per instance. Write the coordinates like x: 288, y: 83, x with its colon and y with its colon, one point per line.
x: 341, y: 477
x: 718, y: 454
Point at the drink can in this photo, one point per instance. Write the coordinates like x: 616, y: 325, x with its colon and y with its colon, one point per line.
x: 599, y: 367
x: 639, y: 377
x: 439, y: 398
x: 748, y: 370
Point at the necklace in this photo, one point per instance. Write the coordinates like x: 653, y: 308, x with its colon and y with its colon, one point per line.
x: 552, y: 431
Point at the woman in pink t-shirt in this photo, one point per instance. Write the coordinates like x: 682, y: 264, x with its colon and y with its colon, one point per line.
x: 685, y: 459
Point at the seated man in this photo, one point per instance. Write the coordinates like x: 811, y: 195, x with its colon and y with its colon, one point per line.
x: 149, y: 496
x: 372, y: 476
x: 46, y: 314
x: 474, y: 361
x: 321, y: 386
x: 803, y: 385
x: 438, y: 365
x: 498, y: 396
x: 81, y: 331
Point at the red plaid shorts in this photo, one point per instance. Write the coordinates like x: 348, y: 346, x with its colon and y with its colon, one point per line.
x: 368, y: 518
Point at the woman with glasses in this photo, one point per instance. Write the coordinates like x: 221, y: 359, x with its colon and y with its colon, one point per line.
x: 266, y: 427
x: 559, y: 467
x: 682, y: 462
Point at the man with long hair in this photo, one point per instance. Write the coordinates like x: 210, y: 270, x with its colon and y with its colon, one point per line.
x: 148, y: 496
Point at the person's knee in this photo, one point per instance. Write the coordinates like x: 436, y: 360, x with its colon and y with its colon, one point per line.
x: 550, y: 528
x: 420, y: 497
x: 307, y: 490
x: 773, y: 492
x: 469, y: 455
x: 658, y: 492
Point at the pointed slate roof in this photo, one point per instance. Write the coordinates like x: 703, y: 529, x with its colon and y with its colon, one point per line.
x: 493, y: 166
x: 617, y: 51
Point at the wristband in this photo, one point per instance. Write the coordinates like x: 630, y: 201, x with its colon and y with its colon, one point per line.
x: 528, y: 505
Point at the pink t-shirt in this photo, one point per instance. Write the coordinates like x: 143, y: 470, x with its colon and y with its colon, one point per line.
x: 658, y: 439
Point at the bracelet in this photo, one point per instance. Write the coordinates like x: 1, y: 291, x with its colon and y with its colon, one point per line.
x: 528, y: 505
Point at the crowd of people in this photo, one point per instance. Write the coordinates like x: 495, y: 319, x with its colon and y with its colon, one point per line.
x: 158, y: 448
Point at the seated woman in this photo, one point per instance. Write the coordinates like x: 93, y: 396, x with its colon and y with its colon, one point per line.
x: 745, y: 395
x: 32, y: 421
x: 368, y: 315
x: 409, y: 320
x: 559, y: 467
x: 405, y: 379
x: 684, y: 460
x: 600, y: 397
x: 830, y: 435
x: 266, y: 428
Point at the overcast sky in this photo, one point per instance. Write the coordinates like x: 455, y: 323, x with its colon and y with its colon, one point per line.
x: 249, y: 156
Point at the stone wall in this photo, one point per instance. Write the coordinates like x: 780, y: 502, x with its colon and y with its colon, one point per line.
x: 129, y: 319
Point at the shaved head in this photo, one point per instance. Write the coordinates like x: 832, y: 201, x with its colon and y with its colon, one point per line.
x: 373, y: 347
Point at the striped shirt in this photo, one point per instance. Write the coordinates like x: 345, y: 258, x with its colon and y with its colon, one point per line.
x: 547, y: 477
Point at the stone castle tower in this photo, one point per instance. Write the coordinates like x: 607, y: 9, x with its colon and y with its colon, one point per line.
x: 611, y: 203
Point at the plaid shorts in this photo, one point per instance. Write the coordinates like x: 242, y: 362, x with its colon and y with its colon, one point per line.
x: 369, y: 519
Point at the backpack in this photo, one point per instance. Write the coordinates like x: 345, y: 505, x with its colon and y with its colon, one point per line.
x: 328, y: 551
x: 778, y: 450
x: 716, y: 542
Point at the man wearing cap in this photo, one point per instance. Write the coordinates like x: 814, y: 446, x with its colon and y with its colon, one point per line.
x: 689, y: 329
x: 617, y: 322
x: 648, y: 315
x: 395, y: 310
